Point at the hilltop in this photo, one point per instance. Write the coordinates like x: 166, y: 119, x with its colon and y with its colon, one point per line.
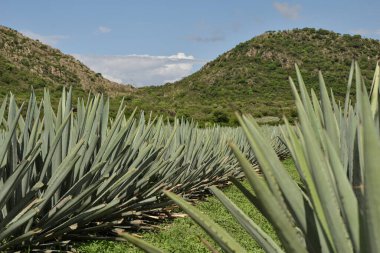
x: 253, y: 76
x: 25, y: 62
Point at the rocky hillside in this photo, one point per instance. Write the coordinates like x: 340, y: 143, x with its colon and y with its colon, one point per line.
x: 253, y: 76
x: 25, y: 62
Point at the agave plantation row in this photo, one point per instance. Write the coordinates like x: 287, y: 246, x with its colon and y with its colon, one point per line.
x: 335, y: 148
x: 67, y: 175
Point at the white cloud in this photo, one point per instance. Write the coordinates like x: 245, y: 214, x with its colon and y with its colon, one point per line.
x: 104, y: 29
x: 287, y: 10
x: 141, y: 70
x: 51, y: 40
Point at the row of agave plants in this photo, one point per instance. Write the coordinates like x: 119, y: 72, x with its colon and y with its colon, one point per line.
x: 336, y: 151
x: 68, y: 175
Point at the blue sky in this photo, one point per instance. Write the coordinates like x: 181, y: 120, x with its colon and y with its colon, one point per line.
x: 152, y: 42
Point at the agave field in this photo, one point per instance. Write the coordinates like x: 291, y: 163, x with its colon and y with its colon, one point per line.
x: 74, y: 173
x: 335, y: 148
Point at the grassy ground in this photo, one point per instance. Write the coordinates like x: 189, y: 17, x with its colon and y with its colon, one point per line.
x: 182, y: 235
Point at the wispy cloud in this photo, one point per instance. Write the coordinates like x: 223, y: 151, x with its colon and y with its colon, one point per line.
x: 366, y: 32
x: 290, y: 11
x: 142, y: 70
x: 51, y: 40
x: 104, y: 29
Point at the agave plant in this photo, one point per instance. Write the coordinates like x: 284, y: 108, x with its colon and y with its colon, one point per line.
x: 336, y: 149
x: 68, y: 175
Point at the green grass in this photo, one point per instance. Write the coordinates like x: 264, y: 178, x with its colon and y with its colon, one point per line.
x: 182, y: 235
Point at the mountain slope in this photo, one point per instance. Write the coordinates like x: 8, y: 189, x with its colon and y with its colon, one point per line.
x: 25, y: 62
x: 253, y: 76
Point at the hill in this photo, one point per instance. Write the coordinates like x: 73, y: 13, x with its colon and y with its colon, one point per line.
x: 25, y: 62
x: 253, y: 76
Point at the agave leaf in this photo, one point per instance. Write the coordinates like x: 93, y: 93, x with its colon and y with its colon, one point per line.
x: 9, y: 135
x: 12, y: 182
x: 300, y: 159
x: 292, y: 240
x: 53, y: 147
x: 254, y: 230
x: 9, y: 229
x: 349, y: 84
x: 25, y: 204
x: 375, y: 101
x: 61, y: 172
x: 331, y: 125
x: 140, y: 243
x: 249, y: 195
x: 67, y: 224
x: 306, y: 100
x: 271, y: 165
x: 325, y: 186
x: 55, y: 216
x: 22, y: 238
x: 216, y: 232
x: 2, y: 108
x: 347, y: 199
x: 371, y: 161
